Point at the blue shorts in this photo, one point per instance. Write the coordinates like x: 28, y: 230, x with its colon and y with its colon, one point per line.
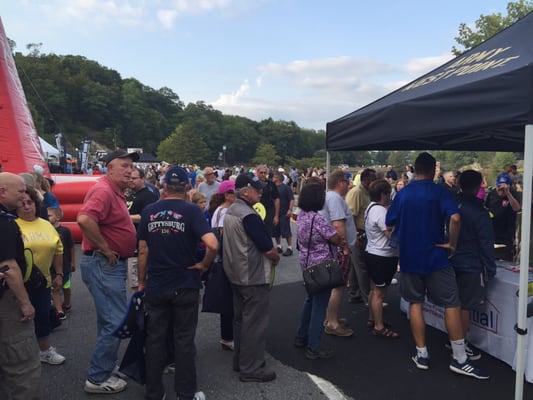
x: 283, y: 228
x: 471, y: 289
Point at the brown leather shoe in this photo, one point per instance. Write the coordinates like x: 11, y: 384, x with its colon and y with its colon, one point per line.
x: 339, y: 331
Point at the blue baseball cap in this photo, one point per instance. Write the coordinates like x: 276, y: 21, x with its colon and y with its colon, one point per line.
x: 176, y: 176
x: 504, y: 178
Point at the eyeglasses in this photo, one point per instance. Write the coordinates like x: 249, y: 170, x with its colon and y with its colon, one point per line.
x: 28, y: 203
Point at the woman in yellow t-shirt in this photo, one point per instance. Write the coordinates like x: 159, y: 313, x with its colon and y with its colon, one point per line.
x: 43, y: 240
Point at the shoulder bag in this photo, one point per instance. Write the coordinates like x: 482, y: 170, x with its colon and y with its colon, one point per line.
x: 322, y: 276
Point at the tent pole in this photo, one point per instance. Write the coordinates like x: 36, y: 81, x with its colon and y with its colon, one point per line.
x: 328, y: 166
x: 524, y: 263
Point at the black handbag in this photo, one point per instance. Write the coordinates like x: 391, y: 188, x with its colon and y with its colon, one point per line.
x: 322, y: 276
x: 33, y: 278
x: 218, y: 294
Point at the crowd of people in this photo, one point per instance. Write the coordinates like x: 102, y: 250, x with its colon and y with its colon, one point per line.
x: 173, y: 230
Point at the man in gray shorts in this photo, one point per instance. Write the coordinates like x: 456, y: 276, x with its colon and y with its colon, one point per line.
x: 420, y: 212
x: 473, y: 260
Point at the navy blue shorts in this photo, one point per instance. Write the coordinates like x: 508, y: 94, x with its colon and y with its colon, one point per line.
x: 471, y: 289
x: 283, y: 228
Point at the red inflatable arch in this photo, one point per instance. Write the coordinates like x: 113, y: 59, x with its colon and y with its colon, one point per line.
x: 20, y: 148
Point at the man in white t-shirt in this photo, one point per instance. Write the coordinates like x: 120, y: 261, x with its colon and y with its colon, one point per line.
x: 210, y: 185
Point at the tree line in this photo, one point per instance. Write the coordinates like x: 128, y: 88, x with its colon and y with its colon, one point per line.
x: 84, y: 100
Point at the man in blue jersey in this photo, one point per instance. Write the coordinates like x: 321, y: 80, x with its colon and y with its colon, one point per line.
x: 428, y: 222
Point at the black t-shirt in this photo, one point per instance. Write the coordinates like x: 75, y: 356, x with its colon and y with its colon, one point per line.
x: 137, y: 201
x: 270, y: 193
x: 68, y: 244
x: 11, y: 246
x: 503, y: 216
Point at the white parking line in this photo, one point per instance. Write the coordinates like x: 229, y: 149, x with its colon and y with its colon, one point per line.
x: 330, y: 391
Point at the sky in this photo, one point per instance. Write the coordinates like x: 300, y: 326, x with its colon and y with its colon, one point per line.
x: 306, y: 61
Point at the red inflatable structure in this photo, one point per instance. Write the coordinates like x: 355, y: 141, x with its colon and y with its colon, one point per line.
x: 20, y: 148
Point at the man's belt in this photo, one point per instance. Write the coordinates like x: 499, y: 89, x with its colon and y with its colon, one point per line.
x: 94, y: 253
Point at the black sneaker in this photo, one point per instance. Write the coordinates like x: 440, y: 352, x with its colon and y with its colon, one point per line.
x: 319, y: 353
x: 288, y: 252
x: 467, y: 369
x: 263, y: 376
x: 300, y: 341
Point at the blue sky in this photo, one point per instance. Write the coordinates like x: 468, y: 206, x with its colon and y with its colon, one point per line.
x: 304, y: 61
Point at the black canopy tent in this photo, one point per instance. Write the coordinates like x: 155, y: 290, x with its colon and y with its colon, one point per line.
x: 479, y: 101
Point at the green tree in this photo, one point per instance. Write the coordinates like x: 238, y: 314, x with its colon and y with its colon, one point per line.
x: 266, y: 154
x: 488, y: 25
x: 183, y: 147
x: 398, y: 160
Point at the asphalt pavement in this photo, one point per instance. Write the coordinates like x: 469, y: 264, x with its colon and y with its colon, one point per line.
x: 364, y: 368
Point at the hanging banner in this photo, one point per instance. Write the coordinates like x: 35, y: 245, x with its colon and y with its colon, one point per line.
x: 60, y: 144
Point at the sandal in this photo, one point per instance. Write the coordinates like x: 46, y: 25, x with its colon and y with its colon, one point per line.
x: 370, y: 324
x: 385, y: 333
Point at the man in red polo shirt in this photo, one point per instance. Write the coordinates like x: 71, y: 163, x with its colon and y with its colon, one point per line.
x: 109, y: 238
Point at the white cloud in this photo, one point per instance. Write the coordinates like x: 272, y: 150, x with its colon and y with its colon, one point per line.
x: 422, y: 65
x: 167, y: 18
x: 135, y: 13
x: 320, y: 90
x: 228, y: 100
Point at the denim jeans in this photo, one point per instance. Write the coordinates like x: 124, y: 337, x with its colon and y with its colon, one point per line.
x: 174, y: 313
x: 312, y: 318
x: 107, y: 285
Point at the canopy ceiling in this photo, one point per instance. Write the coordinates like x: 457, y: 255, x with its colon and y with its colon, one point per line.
x: 479, y: 101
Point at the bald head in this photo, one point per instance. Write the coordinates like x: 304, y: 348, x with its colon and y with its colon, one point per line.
x: 12, y: 189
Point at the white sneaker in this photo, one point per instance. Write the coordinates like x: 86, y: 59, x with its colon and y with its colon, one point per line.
x: 170, y: 369
x: 51, y: 356
x: 117, y: 373
x: 199, y: 396
x: 112, y: 385
x: 394, y: 281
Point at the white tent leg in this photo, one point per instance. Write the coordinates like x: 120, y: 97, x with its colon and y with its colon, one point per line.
x: 328, y: 166
x: 524, y: 263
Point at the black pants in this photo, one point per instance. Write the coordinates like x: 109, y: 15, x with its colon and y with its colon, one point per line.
x: 175, y: 313
x: 250, y: 323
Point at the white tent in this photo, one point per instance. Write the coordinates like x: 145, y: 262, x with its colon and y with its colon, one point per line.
x: 48, y: 149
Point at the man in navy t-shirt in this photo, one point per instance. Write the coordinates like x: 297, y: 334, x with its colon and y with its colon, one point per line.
x: 428, y: 222
x: 170, y: 275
